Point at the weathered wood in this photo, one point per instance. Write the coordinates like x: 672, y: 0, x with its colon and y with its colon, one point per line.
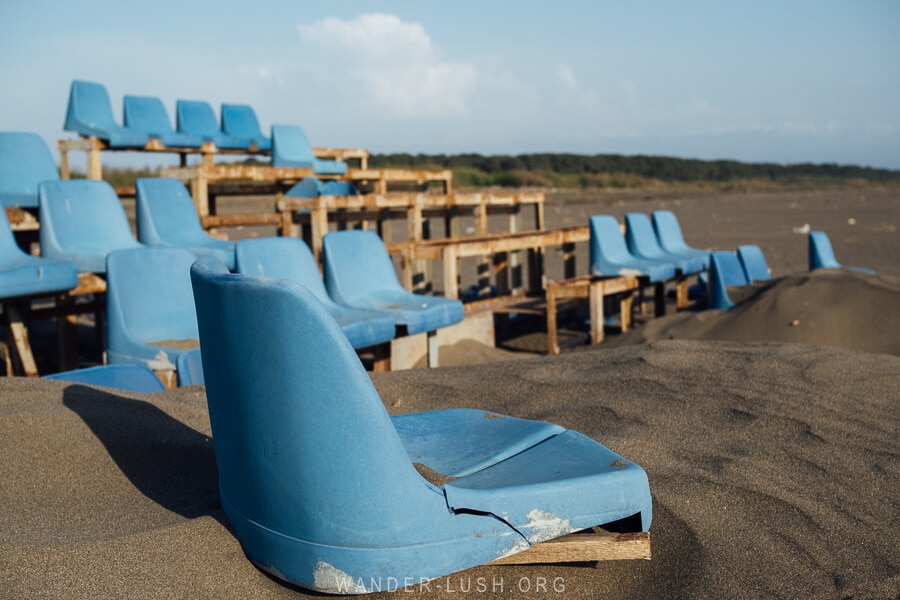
x: 21, y: 219
x: 594, y: 546
x: 243, y: 219
x: 18, y: 334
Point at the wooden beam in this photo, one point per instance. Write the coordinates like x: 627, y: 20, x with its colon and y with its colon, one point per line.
x: 593, y: 546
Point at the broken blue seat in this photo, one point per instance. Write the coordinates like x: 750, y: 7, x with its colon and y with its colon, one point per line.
x: 326, y: 491
x: 671, y: 239
x: 90, y: 114
x: 148, y: 115
x: 291, y: 148
x: 643, y: 244
x: 821, y: 254
x: 25, y: 161
x: 724, y: 269
x: 359, y: 274
x: 81, y: 222
x: 196, y: 117
x: 149, y: 307
x: 754, y: 263
x: 165, y: 216
x: 609, y: 255
x: 130, y: 378
x: 239, y: 121
x: 290, y: 258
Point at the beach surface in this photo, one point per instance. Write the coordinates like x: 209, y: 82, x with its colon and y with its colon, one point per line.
x: 769, y: 434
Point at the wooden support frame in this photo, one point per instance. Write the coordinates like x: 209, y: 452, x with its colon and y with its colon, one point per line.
x: 449, y: 251
x: 595, y: 290
x: 594, y: 545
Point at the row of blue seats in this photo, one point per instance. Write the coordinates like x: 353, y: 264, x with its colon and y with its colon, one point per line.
x: 145, y: 118
x: 83, y: 224
x: 26, y: 162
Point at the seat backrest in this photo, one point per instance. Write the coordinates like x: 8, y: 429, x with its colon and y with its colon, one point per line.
x: 239, y: 120
x: 149, y: 294
x: 607, y: 242
x: 303, y: 443
x: 196, y: 117
x: 82, y: 215
x: 146, y: 114
x: 290, y: 147
x: 640, y: 237
x: 821, y: 254
x: 730, y: 268
x: 89, y: 111
x: 724, y: 270
x: 189, y: 367
x: 668, y: 231
x: 25, y: 161
x: 165, y: 213
x: 281, y: 258
x: 754, y: 263
x: 357, y: 265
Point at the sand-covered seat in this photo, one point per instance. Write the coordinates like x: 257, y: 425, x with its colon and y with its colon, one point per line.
x: 643, y: 243
x: 149, y: 307
x: 671, y: 239
x: 90, y: 114
x: 359, y: 274
x: 196, y: 117
x: 754, y: 263
x: 821, y: 254
x: 725, y: 269
x: 609, y: 255
x: 291, y: 148
x: 81, y: 222
x: 325, y: 490
x: 148, y: 115
x: 291, y: 258
x: 239, y: 121
x: 165, y: 216
x: 131, y: 378
x: 25, y: 161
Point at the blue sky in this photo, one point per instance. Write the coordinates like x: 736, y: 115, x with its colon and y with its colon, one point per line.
x: 775, y: 81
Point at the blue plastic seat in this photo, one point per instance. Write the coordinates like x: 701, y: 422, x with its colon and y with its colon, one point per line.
x: 821, y: 254
x: 81, y: 222
x: 90, y: 114
x: 239, y: 120
x: 148, y: 115
x: 149, y: 307
x: 642, y: 243
x: 725, y: 269
x: 670, y: 238
x: 23, y: 275
x: 130, y: 378
x: 25, y: 161
x: 196, y: 117
x: 326, y: 491
x: 609, y: 255
x: 754, y: 263
x: 290, y: 258
x: 291, y: 148
x: 190, y: 367
x: 165, y: 216
x: 313, y: 187
x: 359, y: 274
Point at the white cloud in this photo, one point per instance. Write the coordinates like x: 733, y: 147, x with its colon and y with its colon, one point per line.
x: 395, y: 64
x: 567, y: 76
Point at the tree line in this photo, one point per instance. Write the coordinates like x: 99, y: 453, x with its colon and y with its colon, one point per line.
x: 616, y: 170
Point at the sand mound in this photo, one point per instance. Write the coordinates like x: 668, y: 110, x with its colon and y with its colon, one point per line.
x: 774, y: 470
x: 837, y: 308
